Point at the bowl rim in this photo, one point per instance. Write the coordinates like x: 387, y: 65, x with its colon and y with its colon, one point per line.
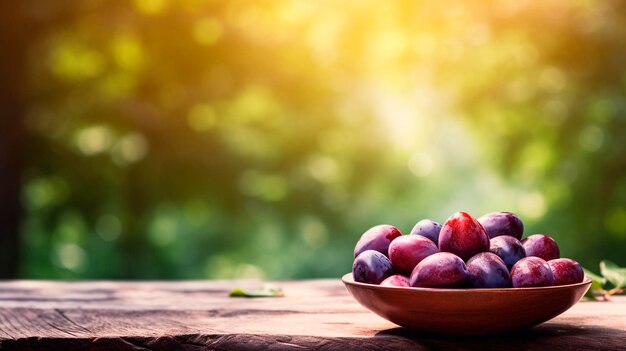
x: 348, y: 280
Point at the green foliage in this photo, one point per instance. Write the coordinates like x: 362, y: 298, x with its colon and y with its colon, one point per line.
x: 266, y: 290
x: 613, y: 273
x: 202, y: 139
x: 597, y: 282
x: 612, y: 281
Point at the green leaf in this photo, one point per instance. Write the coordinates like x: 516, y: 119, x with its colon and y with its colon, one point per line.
x: 597, y: 282
x: 613, y: 273
x: 597, y: 285
x: 266, y: 290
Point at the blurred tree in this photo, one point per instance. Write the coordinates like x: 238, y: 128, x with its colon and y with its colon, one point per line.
x: 12, y: 66
x: 190, y: 138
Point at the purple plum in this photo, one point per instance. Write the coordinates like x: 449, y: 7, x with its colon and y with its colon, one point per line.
x: 406, y: 251
x: 509, y: 249
x: 377, y: 238
x: 440, y: 270
x: 396, y: 280
x: 427, y: 228
x: 371, y: 267
x: 463, y: 236
x: 531, y: 271
x: 566, y: 271
x: 542, y: 246
x: 487, y: 270
x: 502, y: 223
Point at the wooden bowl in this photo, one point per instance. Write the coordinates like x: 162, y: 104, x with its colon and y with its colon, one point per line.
x: 466, y: 311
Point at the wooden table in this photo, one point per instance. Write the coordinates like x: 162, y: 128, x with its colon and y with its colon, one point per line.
x: 198, y: 315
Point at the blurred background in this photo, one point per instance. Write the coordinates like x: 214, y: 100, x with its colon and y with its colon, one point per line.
x: 188, y: 139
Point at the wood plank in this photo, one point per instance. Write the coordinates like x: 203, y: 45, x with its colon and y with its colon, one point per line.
x: 198, y: 315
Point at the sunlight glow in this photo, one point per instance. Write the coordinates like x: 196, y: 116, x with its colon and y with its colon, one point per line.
x: 421, y: 164
x: 201, y: 117
x: 130, y: 148
x: 94, y: 140
x: 151, y: 7
x: 71, y: 257
x: 532, y: 205
x: 207, y: 31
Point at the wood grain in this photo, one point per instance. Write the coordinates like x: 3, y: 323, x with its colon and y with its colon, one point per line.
x: 198, y: 315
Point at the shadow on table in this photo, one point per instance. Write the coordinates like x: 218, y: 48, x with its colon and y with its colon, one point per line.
x: 549, y: 337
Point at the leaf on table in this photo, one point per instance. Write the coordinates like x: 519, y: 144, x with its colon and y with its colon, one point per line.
x: 613, y: 273
x: 596, y: 291
x: 597, y: 282
x: 266, y: 290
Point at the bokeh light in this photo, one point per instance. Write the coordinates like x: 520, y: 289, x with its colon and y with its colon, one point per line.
x: 222, y: 139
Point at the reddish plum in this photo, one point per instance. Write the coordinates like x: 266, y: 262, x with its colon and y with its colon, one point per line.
x: 406, y: 251
x: 440, y: 270
x: 371, y: 267
x: 566, y: 271
x: 427, y: 228
x: 377, y: 238
x: 463, y: 236
x: 542, y: 246
x: 502, y: 223
x: 509, y: 249
x: 396, y: 280
x: 487, y: 270
x: 531, y: 271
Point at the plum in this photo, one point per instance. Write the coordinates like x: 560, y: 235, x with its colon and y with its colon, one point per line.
x: 427, y: 228
x: 508, y: 248
x: 542, y: 246
x: 566, y: 271
x: 502, y: 223
x: 371, y: 267
x: 440, y: 270
x: 377, y: 238
x: 463, y: 236
x: 487, y: 270
x: 406, y: 251
x: 531, y: 271
x: 396, y: 280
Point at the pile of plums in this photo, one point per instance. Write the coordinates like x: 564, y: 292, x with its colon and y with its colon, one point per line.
x: 464, y: 252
